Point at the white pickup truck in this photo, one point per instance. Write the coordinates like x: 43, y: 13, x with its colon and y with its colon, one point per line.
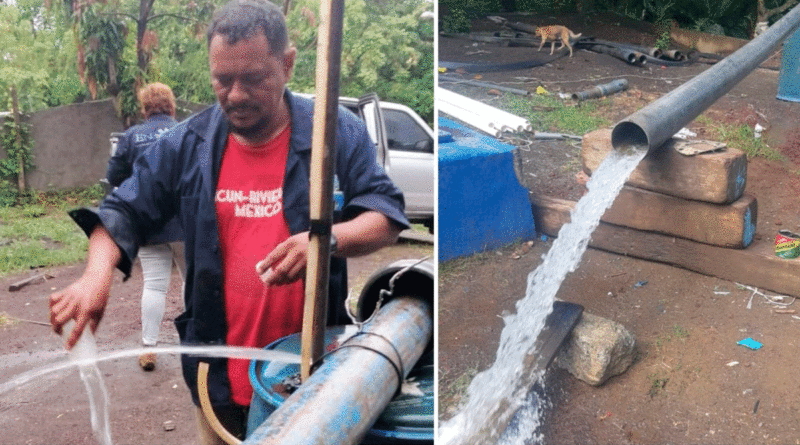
x: 408, y: 140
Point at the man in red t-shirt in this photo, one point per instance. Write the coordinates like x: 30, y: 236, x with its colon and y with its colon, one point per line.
x: 260, y: 207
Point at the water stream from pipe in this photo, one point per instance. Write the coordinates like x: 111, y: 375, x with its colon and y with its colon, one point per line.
x: 85, y: 357
x: 501, y: 393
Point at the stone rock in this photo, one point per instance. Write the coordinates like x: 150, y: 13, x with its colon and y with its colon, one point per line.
x: 597, y: 350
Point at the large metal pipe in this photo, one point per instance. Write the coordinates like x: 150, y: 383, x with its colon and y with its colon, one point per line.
x: 654, y: 124
x: 344, y: 397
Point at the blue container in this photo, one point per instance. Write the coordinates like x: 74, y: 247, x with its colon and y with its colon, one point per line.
x: 407, y: 420
x: 789, y: 82
x: 482, y: 205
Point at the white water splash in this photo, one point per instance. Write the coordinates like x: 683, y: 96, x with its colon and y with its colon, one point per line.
x: 495, y: 395
x: 85, y: 357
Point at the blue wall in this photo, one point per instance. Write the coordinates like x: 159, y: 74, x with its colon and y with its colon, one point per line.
x: 482, y: 206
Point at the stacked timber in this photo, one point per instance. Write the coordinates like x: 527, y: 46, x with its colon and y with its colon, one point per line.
x: 688, y: 211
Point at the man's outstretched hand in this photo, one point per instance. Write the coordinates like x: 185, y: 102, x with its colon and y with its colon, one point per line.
x: 85, y: 300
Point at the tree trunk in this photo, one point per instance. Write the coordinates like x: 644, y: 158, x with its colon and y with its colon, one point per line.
x: 18, y: 130
x: 145, y: 8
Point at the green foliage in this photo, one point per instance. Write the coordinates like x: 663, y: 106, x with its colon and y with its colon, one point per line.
x: 455, y: 22
x: 15, y: 149
x: 386, y: 49
x: 472, y: 8
x: 104, y: 37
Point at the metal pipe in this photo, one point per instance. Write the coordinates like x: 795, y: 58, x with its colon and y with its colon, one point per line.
x: 654, y: 124
x: 602, y: 90
x: 344, y: 397
x: 626, y: 54
x: 675, y: 54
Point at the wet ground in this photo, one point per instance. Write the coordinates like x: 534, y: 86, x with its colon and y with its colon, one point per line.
x: 146, y: 407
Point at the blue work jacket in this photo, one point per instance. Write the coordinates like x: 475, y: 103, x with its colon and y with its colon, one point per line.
x: 177, y: 176
x: 131, y: 144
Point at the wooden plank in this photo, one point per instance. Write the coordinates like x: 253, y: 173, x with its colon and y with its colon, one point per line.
x: 756, y: 265
x: 730, y: 225
x: 717, y: 177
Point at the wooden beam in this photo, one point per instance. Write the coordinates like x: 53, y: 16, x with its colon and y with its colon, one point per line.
x: 756, y: 265
x: 730, y: 225
x: 717, y: 177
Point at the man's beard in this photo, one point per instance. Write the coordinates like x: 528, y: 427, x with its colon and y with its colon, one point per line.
x: 250, y: 131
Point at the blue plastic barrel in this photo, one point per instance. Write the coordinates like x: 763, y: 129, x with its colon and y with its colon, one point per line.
x: 789, y: 82
x: 407, y: 420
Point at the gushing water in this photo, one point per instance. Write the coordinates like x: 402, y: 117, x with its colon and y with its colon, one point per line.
x: 499, y: 393
x: 85, y: 357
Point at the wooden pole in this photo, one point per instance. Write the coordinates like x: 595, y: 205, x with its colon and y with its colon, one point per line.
x: 329, y: 52
x: 18, y: 131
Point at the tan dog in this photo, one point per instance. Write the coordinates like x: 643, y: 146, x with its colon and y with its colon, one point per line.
x: 554, y: 33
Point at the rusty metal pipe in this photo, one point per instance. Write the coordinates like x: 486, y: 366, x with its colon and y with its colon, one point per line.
x: 654, y: 124
x: 602, y: 90
x: 344, y: 397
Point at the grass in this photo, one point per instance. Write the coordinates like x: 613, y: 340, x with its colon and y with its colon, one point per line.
x: 39, y: 233
x: 658, y: 382
x: 6, y: 320
x: 551, y: 114
x: 741, y: 137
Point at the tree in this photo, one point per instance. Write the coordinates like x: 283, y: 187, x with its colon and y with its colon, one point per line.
x: 779, y: 8
x: 386, y: 48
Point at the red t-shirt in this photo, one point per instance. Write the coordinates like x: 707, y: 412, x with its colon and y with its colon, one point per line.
x: 249, y: 205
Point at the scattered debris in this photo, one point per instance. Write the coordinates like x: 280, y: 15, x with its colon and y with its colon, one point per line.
x: 35, y: 279
x: 540, y: 90
x: 522, y: 250
x: 640, y: 284
x: 755, y: 406
x: 685, y: 133
x: 777, y: 300
x: 757, y: 131
x: 784, y: 311
x: 750, y: 343
x: 732, y: 364
x: 169, y: 425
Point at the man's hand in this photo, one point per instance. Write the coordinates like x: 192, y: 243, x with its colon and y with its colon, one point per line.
x: 85, y: 300
x: 286, y: 263
x: 362, y: 235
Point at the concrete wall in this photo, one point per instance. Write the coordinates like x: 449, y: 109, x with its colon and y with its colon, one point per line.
x: 71, y: 143
x: 482, y: 206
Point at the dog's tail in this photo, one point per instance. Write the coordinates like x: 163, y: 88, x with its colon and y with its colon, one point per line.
x: 574, y: 36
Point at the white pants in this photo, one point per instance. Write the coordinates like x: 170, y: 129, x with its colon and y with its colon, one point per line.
x: 157, y: 270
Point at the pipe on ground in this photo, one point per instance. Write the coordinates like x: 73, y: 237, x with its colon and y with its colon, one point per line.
x: 654, y: 124
x: 344, y: 397
x: 605, y: 89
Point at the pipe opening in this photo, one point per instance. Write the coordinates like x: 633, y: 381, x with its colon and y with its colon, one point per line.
x: 627, y: 135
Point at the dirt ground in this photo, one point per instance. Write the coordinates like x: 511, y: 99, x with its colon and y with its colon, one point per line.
x: 54, y: 409
x: 691, y: 382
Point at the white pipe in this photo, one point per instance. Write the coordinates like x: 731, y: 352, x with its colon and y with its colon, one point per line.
x: 500, y: 117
